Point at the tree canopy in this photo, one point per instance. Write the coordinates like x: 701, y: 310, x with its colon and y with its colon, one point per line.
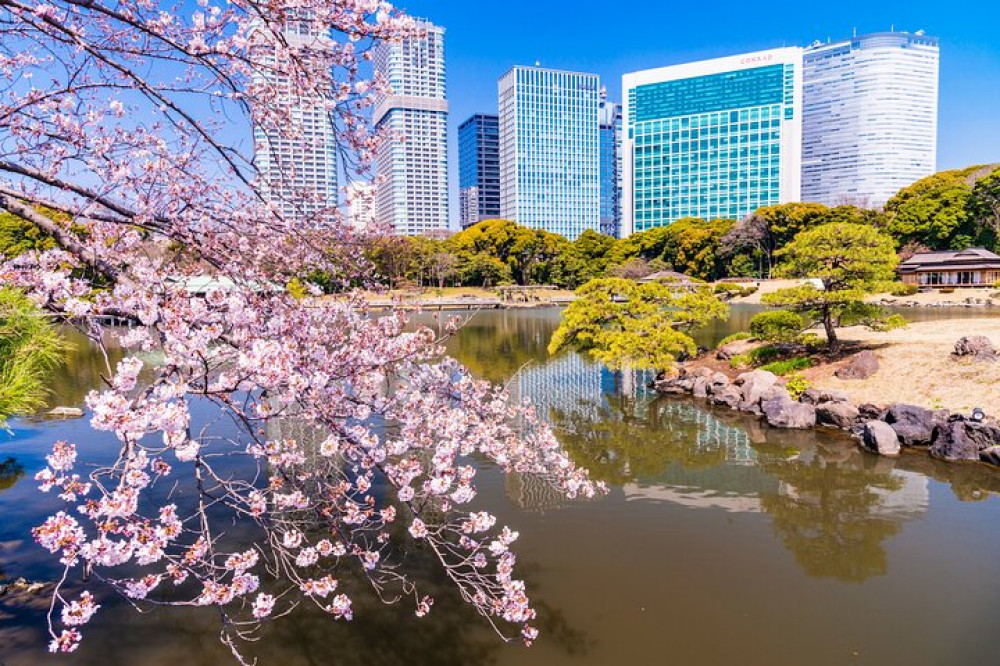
x: 30, y: 347
x: 626, y: 324
x: 849, y: 259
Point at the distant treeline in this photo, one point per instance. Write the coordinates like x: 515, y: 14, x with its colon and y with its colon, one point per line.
x: 949, y: 210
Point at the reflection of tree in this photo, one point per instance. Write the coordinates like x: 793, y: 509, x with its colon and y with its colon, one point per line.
x: 10, y: 472
x: 827, y: 515
x: 622, y: 441
x: 496, y: 344
x: 84, y: 369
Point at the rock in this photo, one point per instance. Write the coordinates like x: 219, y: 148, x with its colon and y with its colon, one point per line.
x: 786, y: 413
x: 861, y: 366
x: 879, y: 437
x: 978, y: 347
x: 870, y: 412
x: 700, y: 387
x: 776, y: 392
x: 726, y: 395
x: 754, y: 384
x: 66, y: 412
x: 811, y: 396
x: 726, y: 352
x: 991, y: 455
x: 831, y: 395
x: 913, y: 425
x: 719, y: 379
x: 962, y: 440
x: 701, y: 371
x: 836, y: 413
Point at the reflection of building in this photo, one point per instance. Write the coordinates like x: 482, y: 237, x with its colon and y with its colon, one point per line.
x: 549, y: 154
x: 412, y: 165
x: 297, y: 160
x: 479, y: 169
x: 869, y: 121
x: 713, y: 434
x: 709, y: 139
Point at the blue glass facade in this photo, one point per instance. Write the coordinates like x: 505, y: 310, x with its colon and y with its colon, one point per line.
x: 479, y: 168
x: 610, y: 123
x: 549, y: 152
x: 716, y: 145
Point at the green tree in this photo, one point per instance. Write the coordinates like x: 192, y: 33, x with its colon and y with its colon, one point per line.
x: 586, y: 258
x: 940, y: 211
x: 18, y: 236
x: 771, y: 228
x: 645, y: 326
x: 849, y: 259
x: 692, y: 247
x: 986, y: 201
x: 30, y: 347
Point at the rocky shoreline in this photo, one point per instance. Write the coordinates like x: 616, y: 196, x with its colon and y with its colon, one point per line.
x: 887, y: 431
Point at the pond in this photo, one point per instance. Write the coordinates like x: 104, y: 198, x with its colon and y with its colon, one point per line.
x: 722, y: 541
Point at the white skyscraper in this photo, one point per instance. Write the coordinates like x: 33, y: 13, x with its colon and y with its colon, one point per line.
x: 711, y: 139
x: 869, y: 118
x: 360, y: 205
x: 412, y: 167
x: 298, y: 159
x: 549, y: 150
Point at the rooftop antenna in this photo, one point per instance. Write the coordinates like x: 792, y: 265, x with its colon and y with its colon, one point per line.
x: 538, y: 63
x: 854, y: 31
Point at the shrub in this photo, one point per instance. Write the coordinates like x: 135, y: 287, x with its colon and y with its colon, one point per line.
x: 776, y: 326
x: 789, y: 365
x: 742, y: 335
x: 889, y: 323
x: 762, y: 355
x: 740, y: 361
x: 900, y: 289
x: 811, y: 340
x: 797, y: 385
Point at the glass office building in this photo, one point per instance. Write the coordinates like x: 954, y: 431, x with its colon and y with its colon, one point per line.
x: 710, y: 139
x: 869, y: 122
x: 412, y: 166
x: 479, y: 169
x: 549, y: 152
x: 610, y: 127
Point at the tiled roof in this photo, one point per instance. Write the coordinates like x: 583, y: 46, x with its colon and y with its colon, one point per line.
x: 972, y: 257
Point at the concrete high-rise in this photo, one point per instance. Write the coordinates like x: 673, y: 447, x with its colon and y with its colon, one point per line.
x: 710, y: 139
x: 296, y: 157
x: 869, y: 120
x: 479, y: 169
x: 549, y: 150
x: 412, y: 166
x: 609, y: 123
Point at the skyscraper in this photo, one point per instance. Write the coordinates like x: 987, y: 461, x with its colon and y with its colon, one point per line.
x: 412, y: 167
x: 298, y: 157
x: 549, y: 153
x: 610, y: 126
x: 479, y: 169
x: 710, y: 139
x: 360, y: 205
x: 869, y: 121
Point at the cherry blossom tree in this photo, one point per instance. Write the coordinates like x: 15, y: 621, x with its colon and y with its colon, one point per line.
x: 133, y: 121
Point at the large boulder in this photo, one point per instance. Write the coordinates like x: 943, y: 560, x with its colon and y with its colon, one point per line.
x: 728, y: 395
x: 815, y: 396
x: 700, y: 387
x: 861, y: 366
x: 879, y: 437
x: 991, y: 455
x: 913, y: 425
x: 754, y: 384
x: 837, y: 414
x: 783, y: 412
x: 871, y: 412
x: 959, y: 439
x: 978, y: 347
x: 718, y: 380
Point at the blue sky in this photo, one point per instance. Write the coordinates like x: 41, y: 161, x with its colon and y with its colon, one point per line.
x: 484, y: 39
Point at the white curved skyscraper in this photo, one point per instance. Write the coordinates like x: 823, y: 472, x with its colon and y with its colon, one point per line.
x: 869, y: 122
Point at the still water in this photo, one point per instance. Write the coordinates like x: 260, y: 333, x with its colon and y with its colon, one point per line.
x: 722, y: 541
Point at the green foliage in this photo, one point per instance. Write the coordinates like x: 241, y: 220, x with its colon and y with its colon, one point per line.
x: 776, y: 326
x: 901, y: 289
x: 810, y: 340
x: 742, y: 335
x: 740, y: 361
x: 849, y: 259
x: 763, y: 355
x: 789, y: 365
x: 889, y: 323
x: 733, y: 289
x: 18, y: 236
x: 948, y: 210
x: 797, y: 385
x: 30, y: 347
x: 622, y: 323
x: 297, y: 289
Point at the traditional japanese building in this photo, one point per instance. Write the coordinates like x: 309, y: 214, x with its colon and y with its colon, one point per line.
x: 975, y: 267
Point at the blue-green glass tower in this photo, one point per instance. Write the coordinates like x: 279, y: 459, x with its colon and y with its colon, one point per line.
x: 711, y: 139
